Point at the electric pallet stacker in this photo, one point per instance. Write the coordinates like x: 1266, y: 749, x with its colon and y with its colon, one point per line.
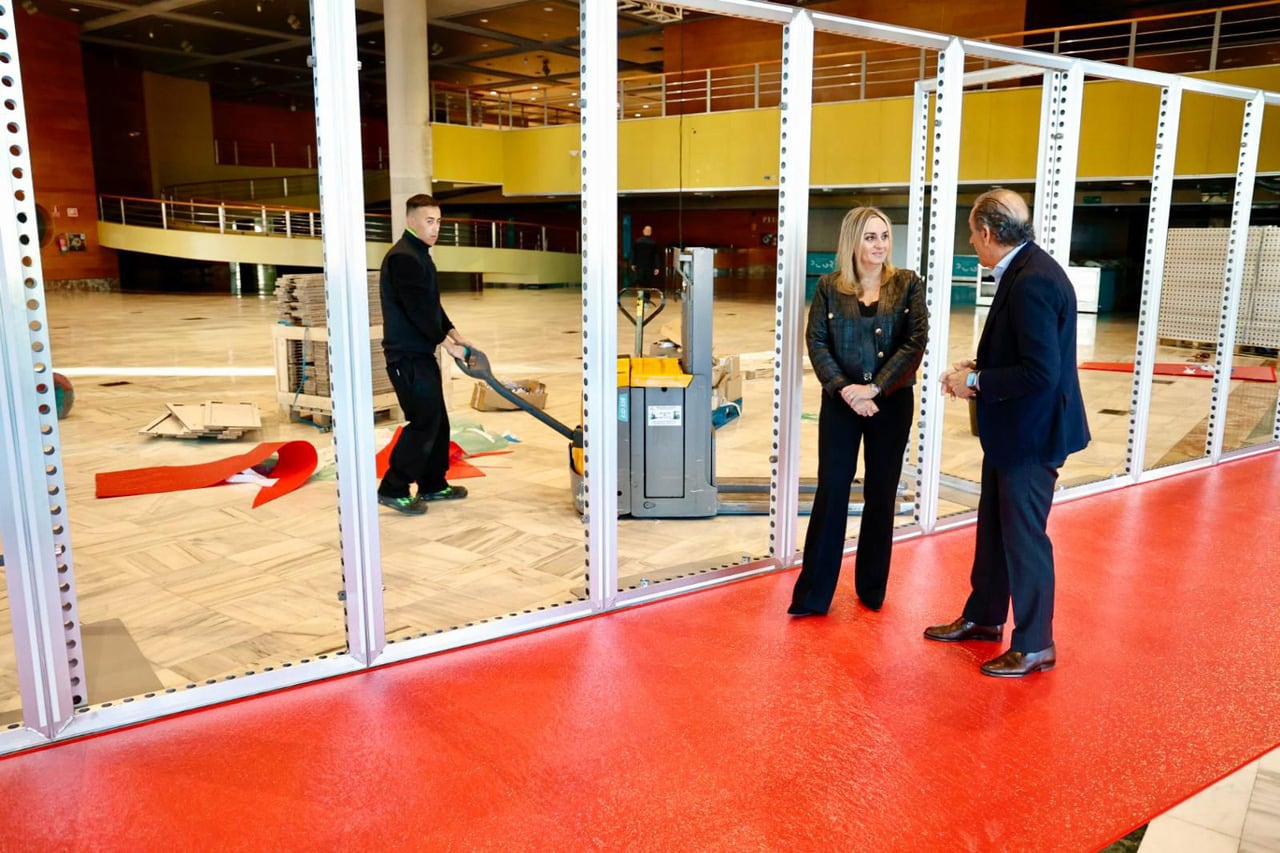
x: 666, y: 440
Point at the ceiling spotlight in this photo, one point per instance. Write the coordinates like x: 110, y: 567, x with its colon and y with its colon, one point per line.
x: 186, y: 46
x: 484, y: 20
x: 293, y: 21
x: 493, y: 93
x: 437, y: 48
x: 259, y: 8
x: 151, y: 34
x: 74, y: 9
x: 30, y: 7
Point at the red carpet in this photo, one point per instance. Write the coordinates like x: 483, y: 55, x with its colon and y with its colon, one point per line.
x: 296, y: 462
x: 714, y: 722
x: 459, y: 467
x: 1255, y: 373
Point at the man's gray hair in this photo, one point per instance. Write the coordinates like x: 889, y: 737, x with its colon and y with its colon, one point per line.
x: 1008, y: 219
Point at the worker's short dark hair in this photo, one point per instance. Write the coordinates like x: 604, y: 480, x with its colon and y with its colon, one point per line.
x: 419, y: 200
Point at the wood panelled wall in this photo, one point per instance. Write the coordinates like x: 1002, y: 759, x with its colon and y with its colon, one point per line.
x: 61, y: 151
x: 118, y: 124
x: 254, y: 128
x: 722, y: 41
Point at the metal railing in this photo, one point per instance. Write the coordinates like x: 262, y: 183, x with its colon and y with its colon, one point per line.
x: 1228, y: 37
x: 293, y: 222
x: 256, y: 152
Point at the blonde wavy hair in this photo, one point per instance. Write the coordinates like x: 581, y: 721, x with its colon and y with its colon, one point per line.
x: 846, y: 278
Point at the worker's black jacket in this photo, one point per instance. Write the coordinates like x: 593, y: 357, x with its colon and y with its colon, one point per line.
x: 413, y: 320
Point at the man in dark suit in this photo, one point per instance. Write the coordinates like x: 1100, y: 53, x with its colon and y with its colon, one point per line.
x: 1030, y: 418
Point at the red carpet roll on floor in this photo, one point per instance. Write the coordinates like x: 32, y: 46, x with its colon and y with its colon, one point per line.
x: 716, y: 722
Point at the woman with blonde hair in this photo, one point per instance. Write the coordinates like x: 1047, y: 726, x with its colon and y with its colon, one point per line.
x: 866, y: 335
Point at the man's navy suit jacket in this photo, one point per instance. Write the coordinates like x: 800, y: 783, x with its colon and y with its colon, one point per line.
x: 1029, y: 407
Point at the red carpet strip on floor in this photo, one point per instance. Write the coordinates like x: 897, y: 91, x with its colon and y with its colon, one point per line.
x: 459, y: 467
x: 296, y: 462
x: 1246, y: 373
x: 715, y: 722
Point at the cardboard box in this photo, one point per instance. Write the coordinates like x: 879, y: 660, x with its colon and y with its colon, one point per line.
x: 485, y: 399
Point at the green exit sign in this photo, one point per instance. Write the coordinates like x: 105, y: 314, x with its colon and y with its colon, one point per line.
x: 1093, y: 199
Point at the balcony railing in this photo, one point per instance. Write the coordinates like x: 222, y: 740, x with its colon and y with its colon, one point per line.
x: 1229, y: 37
x: 292, y: 222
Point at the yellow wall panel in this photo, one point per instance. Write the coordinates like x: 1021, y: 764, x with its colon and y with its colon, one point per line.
x: 1117, y: 130
x: 542, y: 161
x: 864, y: 143
x: 737, y: 149
x: 879, y: 152
x: 468, y: 154
x: 647, y: 154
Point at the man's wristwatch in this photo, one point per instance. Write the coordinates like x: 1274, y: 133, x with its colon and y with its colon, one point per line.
x: 875, y: 389
x: 971, y: 381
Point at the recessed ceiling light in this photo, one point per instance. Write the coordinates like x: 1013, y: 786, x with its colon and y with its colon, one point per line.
x: 75, y: 8
x: 548, y: 8
x: 484, y: 20
x: 637, y: 115
x: 493, y: 93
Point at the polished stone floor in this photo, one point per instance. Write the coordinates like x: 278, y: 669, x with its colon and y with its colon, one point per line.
x: 182, y: 587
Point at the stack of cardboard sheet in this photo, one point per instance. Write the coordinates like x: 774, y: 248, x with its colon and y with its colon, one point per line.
x: 300, y: 299
x: 211, y: 419
x: 309, y: 368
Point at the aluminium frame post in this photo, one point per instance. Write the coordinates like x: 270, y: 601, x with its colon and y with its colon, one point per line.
x: 336, y: 68
x: 37, y: 563
x: 945, y: 163
x: 920, y: 122
x: 598, y: 148
x: 1054, y: 203
x: 1162, y: 170
x: 795, y: 138
x: 1233, y: 276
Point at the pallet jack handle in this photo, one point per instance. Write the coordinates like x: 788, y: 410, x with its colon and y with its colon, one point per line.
x: 476, y: 365
x: 638, y: 318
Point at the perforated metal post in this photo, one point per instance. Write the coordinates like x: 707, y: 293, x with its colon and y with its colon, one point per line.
x: 598, y: 147
x: 945, y: 162
x: 794, y: 138
x: 33, y: 506
x: 1166, y: 151
x: 1054, y: 203
x: 1237, y: 245
x: 333, y: 45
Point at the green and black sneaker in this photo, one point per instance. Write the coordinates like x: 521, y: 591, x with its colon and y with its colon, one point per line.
x: 407, y: 505
x: 448, y: 493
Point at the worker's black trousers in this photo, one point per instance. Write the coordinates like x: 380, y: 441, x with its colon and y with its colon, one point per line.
x: 840, y: 432
x: 421, y: 454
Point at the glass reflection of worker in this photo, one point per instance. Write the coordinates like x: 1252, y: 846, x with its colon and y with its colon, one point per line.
x: 867, y: 331
x: 646, y: 260
x: 414, y: 324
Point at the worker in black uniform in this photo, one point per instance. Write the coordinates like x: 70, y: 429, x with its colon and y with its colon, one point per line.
x: 646, y: 260
x: 414, y: 323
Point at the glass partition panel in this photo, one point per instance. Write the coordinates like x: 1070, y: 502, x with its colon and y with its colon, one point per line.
x: 694, y: 466
x: 1251, y: 401
x: 824, y: 229
x: 515, y: 542
x: 10, y: 697
x: 1187, y: 325
x: 181, y: 579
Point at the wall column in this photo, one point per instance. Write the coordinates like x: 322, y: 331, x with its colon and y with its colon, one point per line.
x: 408, y: 104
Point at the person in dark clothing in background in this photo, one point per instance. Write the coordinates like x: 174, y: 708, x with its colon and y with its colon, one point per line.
x: 646, y: 260
x: 414, y: 323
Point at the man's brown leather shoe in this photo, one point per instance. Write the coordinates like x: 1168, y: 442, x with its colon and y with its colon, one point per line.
x: 963, y: 629
x: 1013, y: 664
